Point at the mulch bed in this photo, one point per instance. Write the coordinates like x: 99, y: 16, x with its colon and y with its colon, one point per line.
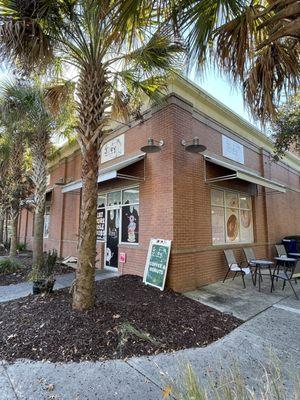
x: 129, y: 319
x: 22, y: 274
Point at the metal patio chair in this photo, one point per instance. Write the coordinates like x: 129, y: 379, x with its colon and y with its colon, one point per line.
x: 234, y: 266
x: 287, y: 275
x: 257, y: 266
x: 281, y: 251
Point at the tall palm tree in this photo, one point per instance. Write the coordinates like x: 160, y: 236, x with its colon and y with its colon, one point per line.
x: 15, y: 181
x: 115, y: 66
x: 37, y: 118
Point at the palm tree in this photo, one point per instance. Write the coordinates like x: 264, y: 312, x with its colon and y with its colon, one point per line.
x: 13, y: 169
x: 115, y: 68
x: 255, y: 42
x: 4, y: 161
x: 38, y: 119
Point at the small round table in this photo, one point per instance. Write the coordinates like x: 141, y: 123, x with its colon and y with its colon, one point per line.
x: 285, y: 261
x: 296, y: 255
x: 259, y: 265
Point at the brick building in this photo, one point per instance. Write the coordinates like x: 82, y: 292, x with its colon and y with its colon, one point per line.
x: 230, y: 196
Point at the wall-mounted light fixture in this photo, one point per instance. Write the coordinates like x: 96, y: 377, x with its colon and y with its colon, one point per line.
x: 153, y: 146
x: 193, y: 146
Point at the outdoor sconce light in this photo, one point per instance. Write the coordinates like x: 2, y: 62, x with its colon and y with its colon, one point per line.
x: 153, y: 146
x: 193, y: 146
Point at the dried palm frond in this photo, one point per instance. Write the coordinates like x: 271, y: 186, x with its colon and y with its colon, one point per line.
x: 236, y: 42
x: 25, y: 42
x: 57, y: 95
x: 275, y: 69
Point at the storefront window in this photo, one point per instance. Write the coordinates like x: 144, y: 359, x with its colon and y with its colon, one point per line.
x: 126, y: 205
x: 131, y: 196
x: 232, y: 219
x: 46, y: 222
x: 130, y: 216
x: 114, y: 198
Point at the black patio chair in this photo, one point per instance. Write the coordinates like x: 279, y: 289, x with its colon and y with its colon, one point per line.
x: 287, y: 275
x: 236, y: 267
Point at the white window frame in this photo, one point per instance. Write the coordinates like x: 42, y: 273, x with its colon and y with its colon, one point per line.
x: 239, y: 208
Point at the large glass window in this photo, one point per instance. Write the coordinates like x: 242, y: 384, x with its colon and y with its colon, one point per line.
x: 130, y: 216
x: 114, y: 198
x: 127, y: 200
x: 232, y: 219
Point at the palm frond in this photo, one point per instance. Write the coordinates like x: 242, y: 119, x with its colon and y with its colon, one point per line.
x: 275, y: 69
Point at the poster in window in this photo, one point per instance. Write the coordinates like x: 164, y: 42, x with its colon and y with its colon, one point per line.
x: 232, y: 199
x: 100, y: 224
x: 246, y: 228
x: 232, y: 226
x: 217, y: 222
x: 130, y: 224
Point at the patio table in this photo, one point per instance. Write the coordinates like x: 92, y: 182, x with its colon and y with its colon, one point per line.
x: 296, y: 255
x: 258, y: 265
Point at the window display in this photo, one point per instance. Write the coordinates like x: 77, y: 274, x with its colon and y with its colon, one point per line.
x: 231, y: 217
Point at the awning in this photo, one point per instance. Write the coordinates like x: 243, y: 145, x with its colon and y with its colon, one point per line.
x: 243, y: 174
x: 108, y: 173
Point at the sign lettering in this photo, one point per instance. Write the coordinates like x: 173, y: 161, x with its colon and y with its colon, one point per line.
x: 157, y: 263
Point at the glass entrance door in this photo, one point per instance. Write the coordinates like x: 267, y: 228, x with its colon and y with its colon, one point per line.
x: 112, y: 237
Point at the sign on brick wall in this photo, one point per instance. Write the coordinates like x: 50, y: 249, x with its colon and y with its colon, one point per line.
x: 157, y: 263
x: 232, y: 150
x: 112, y: 149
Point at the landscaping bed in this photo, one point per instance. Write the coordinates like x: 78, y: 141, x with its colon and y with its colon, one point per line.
x: 21, y: 275
x: 129, y: 319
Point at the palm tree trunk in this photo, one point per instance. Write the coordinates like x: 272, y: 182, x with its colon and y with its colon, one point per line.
x: 39, y: 147
x: 14, y: 235
x: 91, y: 92
x: 38, y: 239
x: 2, y: 217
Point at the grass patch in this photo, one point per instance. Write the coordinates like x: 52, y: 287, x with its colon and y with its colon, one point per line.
x: 9, y: 266
x: 232, y: 385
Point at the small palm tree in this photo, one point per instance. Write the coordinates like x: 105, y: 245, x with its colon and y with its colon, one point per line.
x: 4, y: 161
x: 116, y: 66
x: 37, y: 119
x: 13, y: 169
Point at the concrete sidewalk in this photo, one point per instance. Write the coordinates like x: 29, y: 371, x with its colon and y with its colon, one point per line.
x: 272, y: 333
x: 12, y: 292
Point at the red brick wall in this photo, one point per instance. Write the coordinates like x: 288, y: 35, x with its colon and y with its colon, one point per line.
x: 175, y: 199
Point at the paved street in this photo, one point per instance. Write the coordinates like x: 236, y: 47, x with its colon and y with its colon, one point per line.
x: 272, y: 333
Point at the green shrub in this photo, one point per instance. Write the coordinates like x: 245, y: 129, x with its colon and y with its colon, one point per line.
x: 47, y: 270
x: 21, y: 246
x: 8, y: 265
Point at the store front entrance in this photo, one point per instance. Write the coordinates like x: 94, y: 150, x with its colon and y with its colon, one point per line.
x: 112, y: 236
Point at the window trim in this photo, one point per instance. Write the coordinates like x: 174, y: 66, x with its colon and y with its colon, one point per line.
x: 238, y: 209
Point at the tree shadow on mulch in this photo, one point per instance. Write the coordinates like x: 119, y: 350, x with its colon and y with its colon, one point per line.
x: 129, y: 319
